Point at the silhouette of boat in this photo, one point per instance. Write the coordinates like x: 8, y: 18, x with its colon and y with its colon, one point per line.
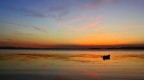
x: 106, y: 57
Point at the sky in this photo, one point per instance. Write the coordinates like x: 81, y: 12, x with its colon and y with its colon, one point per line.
x: 57, y: 23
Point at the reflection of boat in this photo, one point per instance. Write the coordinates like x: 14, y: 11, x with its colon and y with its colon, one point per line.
x: 106, y: 57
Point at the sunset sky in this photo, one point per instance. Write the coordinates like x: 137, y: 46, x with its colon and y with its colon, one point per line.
x: 47, y: 23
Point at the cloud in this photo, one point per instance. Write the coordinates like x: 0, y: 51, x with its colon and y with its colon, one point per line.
x: 8, y: 22
x: 40, y: 29
x: 27, y: 12
x: 94, y: 24
x: 18, y: 33
x: 89, y: 23
x: 94, y: 4
x: 23, y: 25
x: 59, y: 11
x: 9, y: 40
x: 35, y: 15
x: 74, y: 20
x: 24, y: 11
x: 55, y: 9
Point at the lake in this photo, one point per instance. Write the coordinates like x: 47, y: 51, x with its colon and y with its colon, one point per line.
x: 71, y: 65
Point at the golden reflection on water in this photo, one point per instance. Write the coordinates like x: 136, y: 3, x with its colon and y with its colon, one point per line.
x: 68, y: 58
x: 86, y: 65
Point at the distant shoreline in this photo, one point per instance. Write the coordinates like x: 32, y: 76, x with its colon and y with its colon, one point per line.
x: 120, y: 48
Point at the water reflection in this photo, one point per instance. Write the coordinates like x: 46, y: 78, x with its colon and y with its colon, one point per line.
x: 80, y: 65
x: 68, y: 57
x: 64, y: 57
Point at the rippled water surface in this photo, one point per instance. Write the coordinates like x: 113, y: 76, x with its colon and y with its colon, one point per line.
x: 71, y: 65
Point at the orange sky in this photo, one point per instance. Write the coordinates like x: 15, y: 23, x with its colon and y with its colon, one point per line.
x: 76, y: 22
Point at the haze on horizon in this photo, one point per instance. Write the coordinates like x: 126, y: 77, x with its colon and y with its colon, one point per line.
x: 46, y: 23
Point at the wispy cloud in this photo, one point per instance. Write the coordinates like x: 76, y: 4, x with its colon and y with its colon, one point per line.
x: 19, y: 33
x: 9, y: 22
x: 74, y: 20
x: 59, y: 11
x: 56, y: 11
x: 94, y: 4
x: 9, y: 40
x: 23, y: 25
x: 27, y: 12
x: 94, y: 24
x: 24, y: 11
x: 40, y: 29
x: 89, y: 23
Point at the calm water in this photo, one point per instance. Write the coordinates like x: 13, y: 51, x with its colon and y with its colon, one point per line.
x: 71, y: 65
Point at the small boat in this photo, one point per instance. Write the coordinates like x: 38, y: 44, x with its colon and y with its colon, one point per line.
x: 106, y: 57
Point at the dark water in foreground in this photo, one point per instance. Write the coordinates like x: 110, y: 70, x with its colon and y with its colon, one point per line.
x: 71, y: 65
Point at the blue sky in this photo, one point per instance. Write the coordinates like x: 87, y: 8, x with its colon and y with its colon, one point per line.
x: 71, y: 22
